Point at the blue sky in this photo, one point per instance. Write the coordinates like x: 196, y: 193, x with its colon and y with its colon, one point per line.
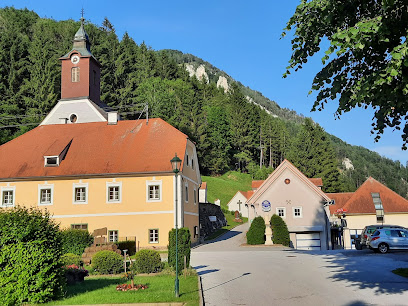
x: 240, y: 37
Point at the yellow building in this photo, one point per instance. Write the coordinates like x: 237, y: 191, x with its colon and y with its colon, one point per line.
x: 91, y: 170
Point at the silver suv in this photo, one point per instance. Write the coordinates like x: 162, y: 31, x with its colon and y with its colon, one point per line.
x: 369, y: 229
x: 383, y: 240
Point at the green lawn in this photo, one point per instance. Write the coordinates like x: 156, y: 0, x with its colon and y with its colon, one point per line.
x: 226, y: 186
x: 102, y: 290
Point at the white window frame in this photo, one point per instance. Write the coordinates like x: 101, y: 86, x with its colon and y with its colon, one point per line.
x: 186, y: 192
x: 8, y: 189
x: 79, y: 185
x: 111, y: 185
x: 284, y: 212
x: 115, y: 236
x: 44, y: 187
x: 155, y: 235
x: 51, y: 157
x: 154, y: 183
x: 301, y: 212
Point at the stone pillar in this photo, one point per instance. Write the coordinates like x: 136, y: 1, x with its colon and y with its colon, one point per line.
x: 268, y: 231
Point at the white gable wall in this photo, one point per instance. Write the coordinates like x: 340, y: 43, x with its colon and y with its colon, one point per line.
x: 297, y: 193
x: 233, y: 204
x: 84, y: 109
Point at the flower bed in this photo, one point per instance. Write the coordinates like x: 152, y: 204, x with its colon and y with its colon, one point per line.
x: 127, y: 287
x: 75, y: 274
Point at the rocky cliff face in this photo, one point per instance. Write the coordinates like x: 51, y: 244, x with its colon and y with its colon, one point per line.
x: 347, y: 164
x: 200, y: 72
x: 223, y: 83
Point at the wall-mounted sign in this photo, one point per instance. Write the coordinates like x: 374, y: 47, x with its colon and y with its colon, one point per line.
x: 266, y: 205
x: 212, y: 218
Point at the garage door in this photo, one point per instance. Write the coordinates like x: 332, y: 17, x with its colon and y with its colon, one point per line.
x: 309, y: 241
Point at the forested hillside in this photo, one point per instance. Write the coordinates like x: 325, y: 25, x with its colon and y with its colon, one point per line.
x: 234, y: 129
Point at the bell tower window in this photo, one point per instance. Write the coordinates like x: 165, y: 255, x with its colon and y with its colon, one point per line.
x: 75, y: 74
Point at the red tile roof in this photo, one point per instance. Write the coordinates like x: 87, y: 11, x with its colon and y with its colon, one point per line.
x: 203, y: 185
x: 340, y: 199
x: 362, y: 202
x: 316, y: 181
x: 247, y: 194
x: 131, y: 146
x: 257, y: 184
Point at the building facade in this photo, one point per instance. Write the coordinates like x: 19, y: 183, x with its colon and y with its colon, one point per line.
x: 300, y: 202
x: 90, y: 170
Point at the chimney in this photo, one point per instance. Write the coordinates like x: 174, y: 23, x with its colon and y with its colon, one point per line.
x: 112, y: 118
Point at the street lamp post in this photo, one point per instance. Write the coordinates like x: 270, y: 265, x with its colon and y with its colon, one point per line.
x: 175, y: 164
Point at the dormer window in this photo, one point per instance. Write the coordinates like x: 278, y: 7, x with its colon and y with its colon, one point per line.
x: 75, y: 74
x: 51, y: 161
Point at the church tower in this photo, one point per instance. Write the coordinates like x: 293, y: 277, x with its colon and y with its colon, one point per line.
x: 80, y: 87
x: 81, y: 72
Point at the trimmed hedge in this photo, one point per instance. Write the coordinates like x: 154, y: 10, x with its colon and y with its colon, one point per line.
x: 127, y: 245
x: 280, y: 231
x: 256, y: 233
x: 184, y: 248
x: 107, y: 262
x: 71, y: 259
x: 75, y: 241
x: 147, y: 261
x: 30, y: 268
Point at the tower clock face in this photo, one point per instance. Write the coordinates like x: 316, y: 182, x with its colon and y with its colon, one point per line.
x: 75, y: 59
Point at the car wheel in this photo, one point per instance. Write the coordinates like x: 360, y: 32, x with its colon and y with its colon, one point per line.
x: 383, y: 248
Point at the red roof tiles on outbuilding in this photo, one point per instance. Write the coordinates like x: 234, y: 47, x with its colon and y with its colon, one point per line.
x: 362, y: 202
x: 340, y: 199
x: 130, y: 146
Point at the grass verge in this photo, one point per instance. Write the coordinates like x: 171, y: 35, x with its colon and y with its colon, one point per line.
x: 102, y: 290
x: 401, y: 272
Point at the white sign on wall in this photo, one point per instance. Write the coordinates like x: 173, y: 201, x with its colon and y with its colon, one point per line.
x: 213, y: 218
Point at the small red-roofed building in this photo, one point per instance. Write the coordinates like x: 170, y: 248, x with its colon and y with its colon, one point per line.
x: 237, y: 203
x: 90, y: 170
x: 372, y: 203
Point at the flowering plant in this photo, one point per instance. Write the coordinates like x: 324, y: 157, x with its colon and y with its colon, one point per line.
x: 74, y: 274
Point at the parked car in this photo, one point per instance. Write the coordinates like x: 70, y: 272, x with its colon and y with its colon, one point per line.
x: 370, y: 229
x: 383, y: 240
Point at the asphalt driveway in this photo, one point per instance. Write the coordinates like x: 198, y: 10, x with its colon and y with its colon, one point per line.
x: 237, y: 275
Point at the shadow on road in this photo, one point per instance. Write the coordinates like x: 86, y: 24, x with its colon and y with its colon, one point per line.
x: 207, y: 271
x: 226, y: 236
x: 362, y: 270
x: 235, y: 278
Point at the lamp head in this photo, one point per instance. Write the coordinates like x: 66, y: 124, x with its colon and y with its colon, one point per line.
x: 175, y: 164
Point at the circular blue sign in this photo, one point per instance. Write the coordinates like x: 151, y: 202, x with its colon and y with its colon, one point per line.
x: 266, y: 205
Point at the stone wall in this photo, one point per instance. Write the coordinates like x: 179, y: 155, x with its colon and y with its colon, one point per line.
x: 207, y: 226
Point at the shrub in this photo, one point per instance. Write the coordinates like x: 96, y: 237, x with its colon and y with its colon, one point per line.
x: 107, y: 262
x: 75, y: 240
x: 256, y: 233
x: 71, y: 259
x: 147, y: 261
x: 280, y: 231
x: 184, y: 247
x: 30, y: 267
x: 127, y: 245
